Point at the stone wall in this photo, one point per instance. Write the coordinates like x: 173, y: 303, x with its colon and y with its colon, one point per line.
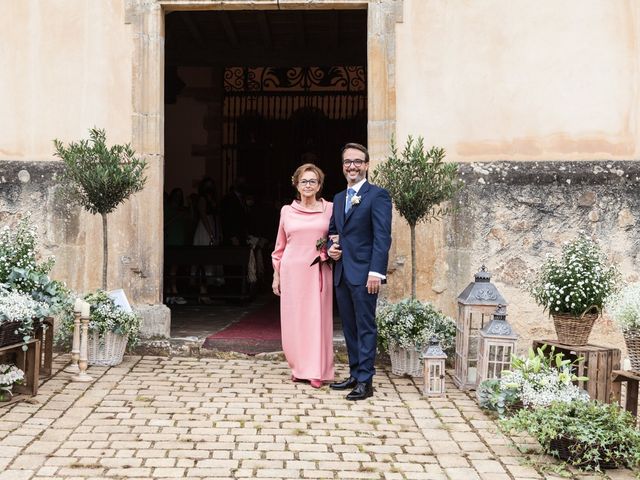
x: 512, y: 214
x: 74, y: 237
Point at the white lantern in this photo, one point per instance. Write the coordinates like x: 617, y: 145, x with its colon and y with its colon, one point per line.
x: 497, y: 345
x: 434, y: 369
x: 476, y: 304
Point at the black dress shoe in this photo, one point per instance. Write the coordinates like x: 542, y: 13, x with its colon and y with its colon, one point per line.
x: 363, y: 390
x: 344, y: 385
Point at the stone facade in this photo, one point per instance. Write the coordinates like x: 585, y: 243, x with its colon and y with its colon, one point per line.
x: 495, y: 82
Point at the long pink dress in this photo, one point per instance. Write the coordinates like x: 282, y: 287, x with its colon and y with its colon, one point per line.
x: 306, y: 292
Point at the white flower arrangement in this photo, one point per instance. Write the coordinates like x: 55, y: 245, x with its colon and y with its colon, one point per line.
x: 105, y: 316
x: 9, y: 375
x: 20, y: 309
x: 543, y: 388
x: 624, y: 307
x: 578, y: 281
x: 355, y: 200
x: 410, y: 324
x: 540, y: 379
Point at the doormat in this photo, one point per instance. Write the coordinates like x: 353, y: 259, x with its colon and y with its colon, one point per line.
x: 256, y: 332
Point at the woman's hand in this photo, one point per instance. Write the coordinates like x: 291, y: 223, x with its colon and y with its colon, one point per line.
x: 275, y: 286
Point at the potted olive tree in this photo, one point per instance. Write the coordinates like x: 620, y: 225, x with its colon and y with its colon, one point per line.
x: 99, y: 179
x: 418, y: 181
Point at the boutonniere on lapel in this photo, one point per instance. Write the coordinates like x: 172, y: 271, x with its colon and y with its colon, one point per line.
x: 355, y: 200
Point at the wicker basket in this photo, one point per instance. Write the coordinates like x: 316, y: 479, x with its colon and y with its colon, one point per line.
x: 572, y: 329
x: 106, y: 350
x: 406, y: 361
x: 9, y: 334
x: 566, y: 448
x: 632, y: 339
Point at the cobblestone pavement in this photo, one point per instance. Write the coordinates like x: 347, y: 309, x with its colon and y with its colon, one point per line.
x: 159, y: 417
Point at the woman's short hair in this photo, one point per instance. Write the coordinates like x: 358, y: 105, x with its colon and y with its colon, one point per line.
x: 308, y: 167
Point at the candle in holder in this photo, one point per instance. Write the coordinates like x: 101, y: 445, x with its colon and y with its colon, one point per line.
x: 85, y: 310
x: 75, y: 346
x: 83, y: 376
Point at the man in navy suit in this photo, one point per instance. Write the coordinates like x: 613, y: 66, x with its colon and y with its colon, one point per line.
x: 361, y: 220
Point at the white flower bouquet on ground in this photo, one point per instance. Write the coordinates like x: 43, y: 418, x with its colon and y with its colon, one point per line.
x: 9, y: 376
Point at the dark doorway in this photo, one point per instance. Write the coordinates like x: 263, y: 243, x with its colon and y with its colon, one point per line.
x: 249, y: 96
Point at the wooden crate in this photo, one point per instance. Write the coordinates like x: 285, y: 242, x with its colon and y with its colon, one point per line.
x: 26, y: 360
x: 597, y: 363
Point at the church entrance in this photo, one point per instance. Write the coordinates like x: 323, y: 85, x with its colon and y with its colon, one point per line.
x: 250, y: 96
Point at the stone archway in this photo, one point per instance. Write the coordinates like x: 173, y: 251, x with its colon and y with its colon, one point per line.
x: 146, y: 18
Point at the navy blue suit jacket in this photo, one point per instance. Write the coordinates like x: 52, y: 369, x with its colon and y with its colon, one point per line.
x: 365, y: 234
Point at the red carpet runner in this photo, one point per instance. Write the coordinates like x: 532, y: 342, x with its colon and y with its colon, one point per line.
x: 256, y: 332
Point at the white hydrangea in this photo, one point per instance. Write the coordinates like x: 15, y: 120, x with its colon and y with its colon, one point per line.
x: 10, y: 374
x: 624, y: 307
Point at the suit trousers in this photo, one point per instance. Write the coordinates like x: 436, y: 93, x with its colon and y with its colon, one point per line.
x: 357, y: 309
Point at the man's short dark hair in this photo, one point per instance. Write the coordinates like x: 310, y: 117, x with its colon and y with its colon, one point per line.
x: 356, y: 146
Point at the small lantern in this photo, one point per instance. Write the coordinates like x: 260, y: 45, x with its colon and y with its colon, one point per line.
x: 434, y: 358
x: 497, y: 344
x: 476, y: 303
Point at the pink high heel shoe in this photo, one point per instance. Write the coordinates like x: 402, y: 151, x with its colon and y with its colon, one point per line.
x: 296, y: 379
x: 316, y: 383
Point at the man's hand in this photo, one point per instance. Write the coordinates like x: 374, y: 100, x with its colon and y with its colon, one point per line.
x: 334, y: 252
x: 373, y: 284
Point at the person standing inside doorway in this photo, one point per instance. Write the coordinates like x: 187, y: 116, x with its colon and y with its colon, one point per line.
x: 361, y: 220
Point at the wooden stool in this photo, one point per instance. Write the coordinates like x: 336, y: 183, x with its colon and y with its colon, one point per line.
x: 631, y: 379
x: 597, y: 364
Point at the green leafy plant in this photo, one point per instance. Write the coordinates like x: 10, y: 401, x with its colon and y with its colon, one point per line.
x: 418, y: 181
x: 22, y: 271
x: 597, y: 434
x: 100, y: 178
x: 578, y: 281
x: 492, y: 397
x: 410, y: 324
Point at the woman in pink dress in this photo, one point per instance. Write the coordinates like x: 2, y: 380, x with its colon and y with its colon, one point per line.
x: 305, y: 290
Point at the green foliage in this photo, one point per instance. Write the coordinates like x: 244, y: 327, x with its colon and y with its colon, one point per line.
x: 418, y: 180
x: 18, y: 250
x: 411, y: 324
x: 600, y: 433
x: 492, y: 397
x: 21, y: 271
x: 97, y: 177
x: 578, y: 281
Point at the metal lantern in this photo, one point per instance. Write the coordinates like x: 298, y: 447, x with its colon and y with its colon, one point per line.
x: 497, y: 344
x: 434, y: 359
x: 476, y: 304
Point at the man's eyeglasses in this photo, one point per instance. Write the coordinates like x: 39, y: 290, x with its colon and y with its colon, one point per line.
x: 312, y: 182
x: 357, y: 162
